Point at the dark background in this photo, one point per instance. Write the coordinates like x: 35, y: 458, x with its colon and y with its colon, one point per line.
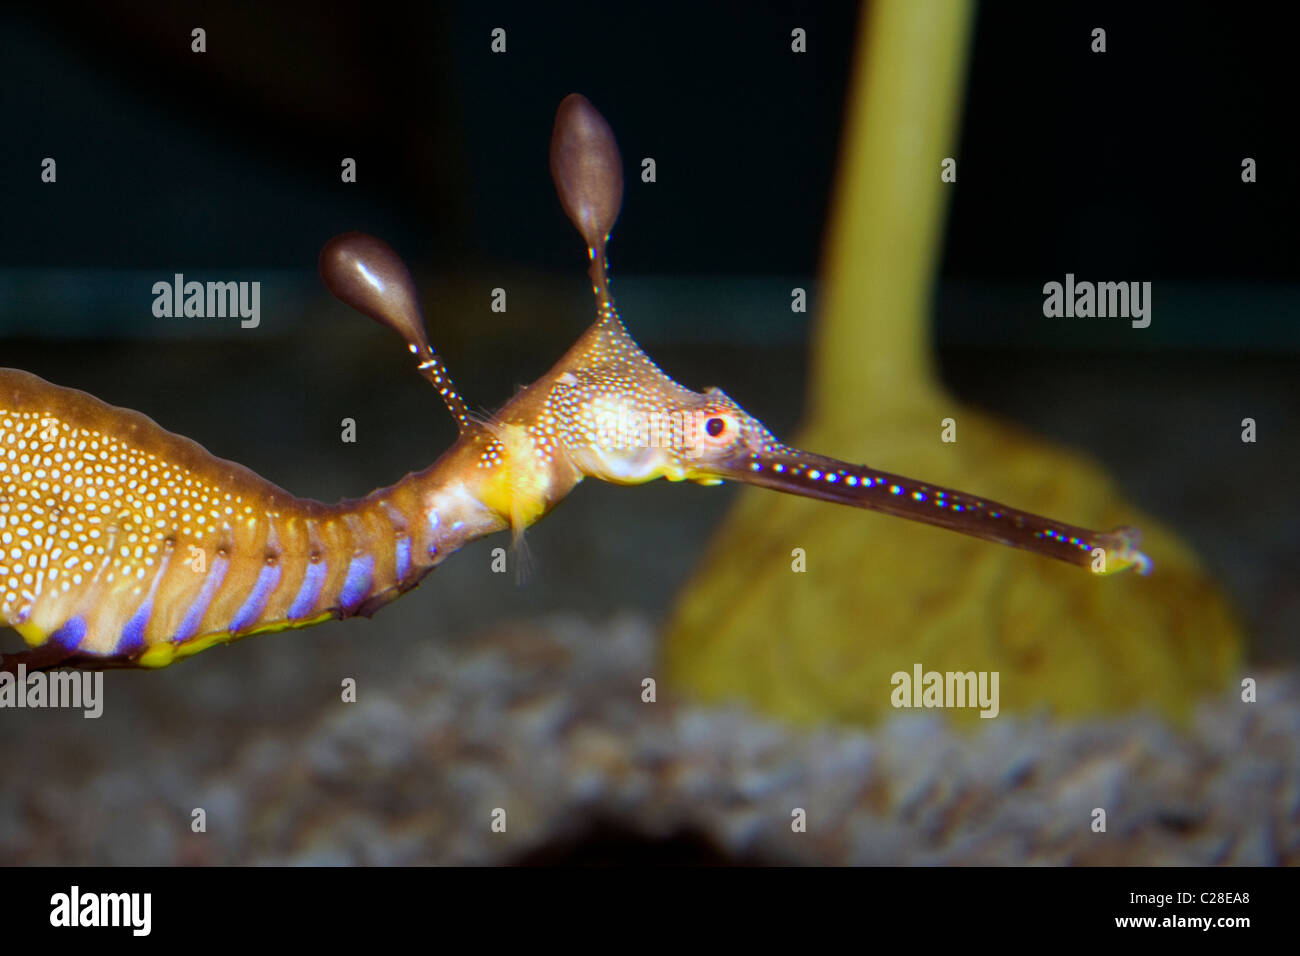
x: 1122, y: 164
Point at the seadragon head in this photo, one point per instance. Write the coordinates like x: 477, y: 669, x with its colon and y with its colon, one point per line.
x: 617, y: 415
x: 607, y: 411
x: 619, y: 418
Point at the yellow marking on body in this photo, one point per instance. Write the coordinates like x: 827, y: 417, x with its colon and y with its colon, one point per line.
x: 157, y: 655
x: 517, y: 487
x: 278, y: 626
x: 33, y: 634
x: 202, y: 643
x: 162, y: 654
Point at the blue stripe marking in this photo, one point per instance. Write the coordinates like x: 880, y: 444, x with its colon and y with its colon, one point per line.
x: 357, y: 586
x: 132, y: 636
x: 194, y: 616
x: 71, y: 634
x: 433, y: 533
x: 267, y: 581
x: 403, y: 557
x: 309, y: 593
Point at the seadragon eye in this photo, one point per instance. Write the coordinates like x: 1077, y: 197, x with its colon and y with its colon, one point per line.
x: 716, y: 430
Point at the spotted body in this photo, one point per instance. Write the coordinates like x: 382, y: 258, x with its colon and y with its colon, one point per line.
x: 122, y: 544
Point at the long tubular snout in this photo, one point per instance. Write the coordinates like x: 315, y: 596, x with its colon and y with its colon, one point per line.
x: 815, y: 476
